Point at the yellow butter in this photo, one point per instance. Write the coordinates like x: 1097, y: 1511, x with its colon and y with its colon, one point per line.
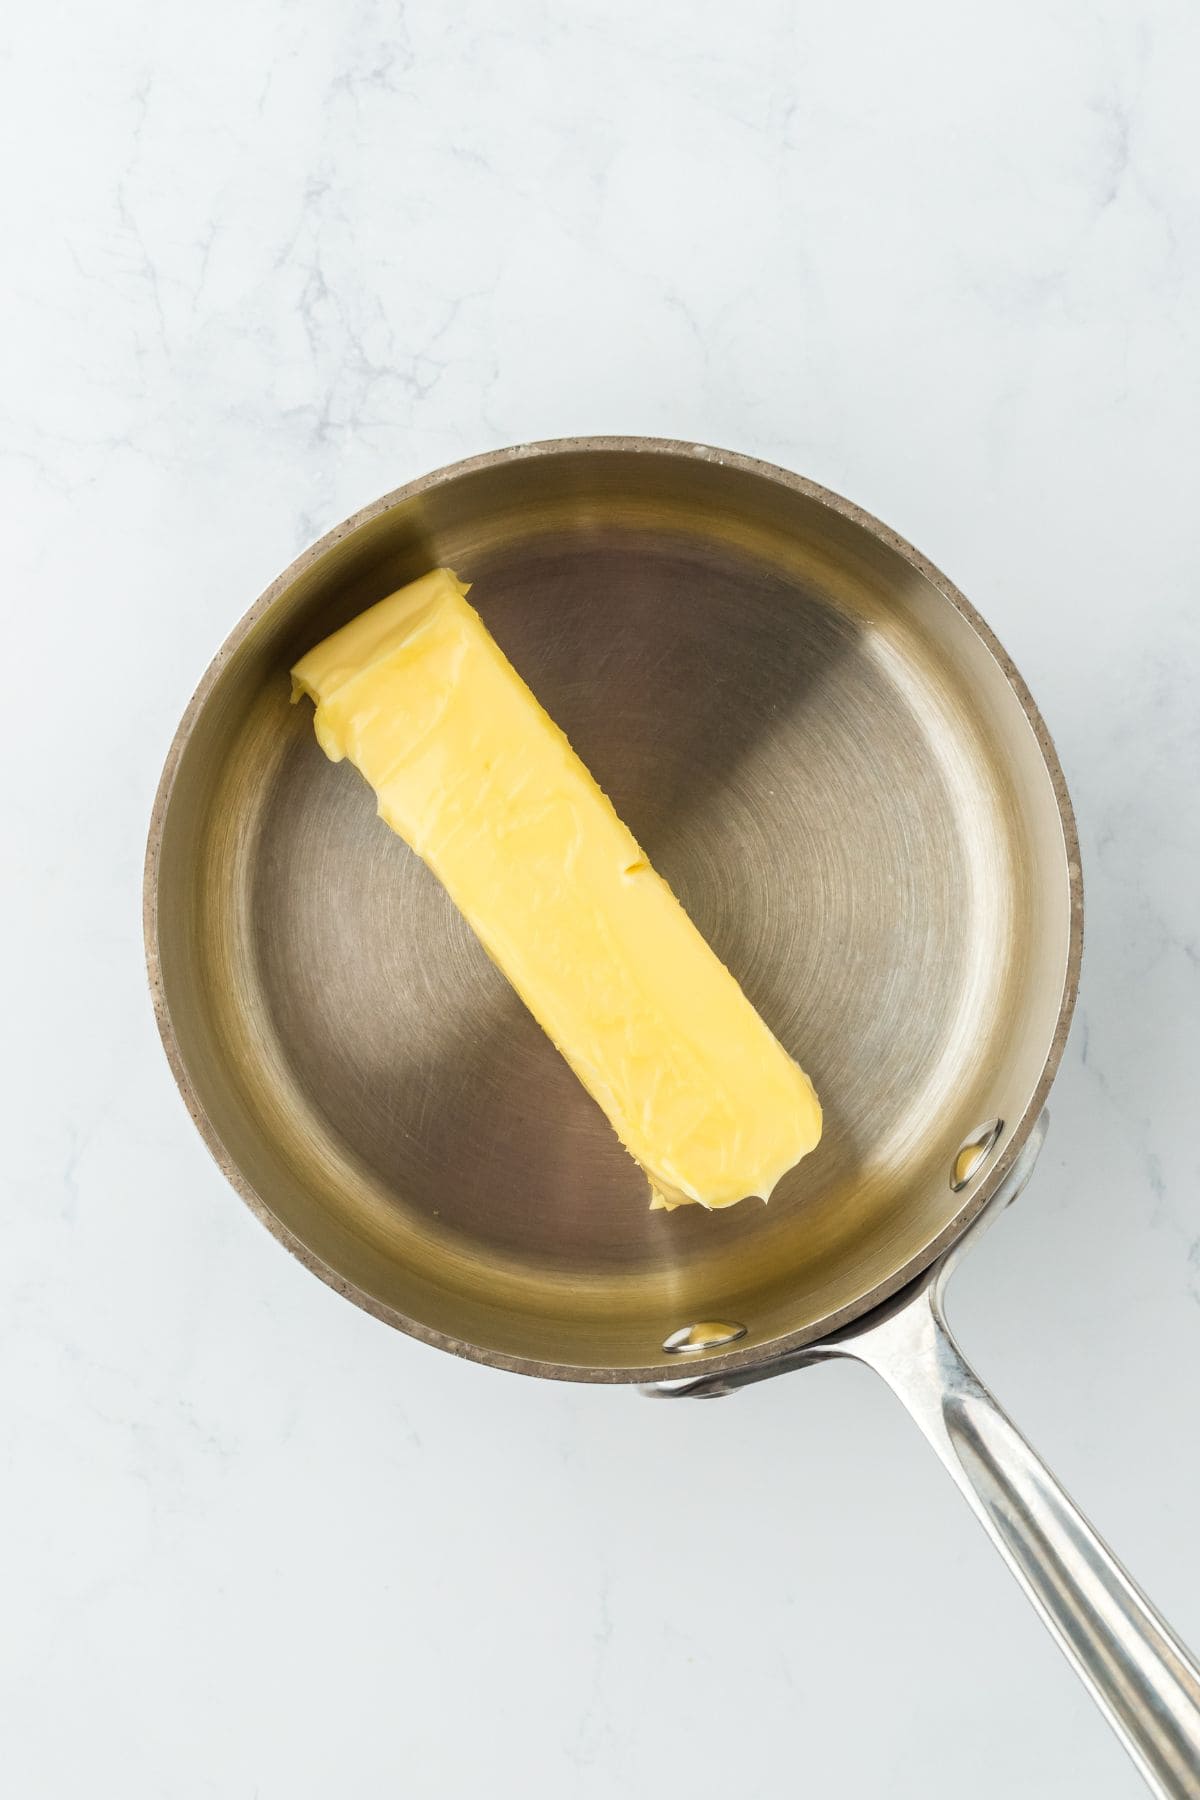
x: 471, y: 772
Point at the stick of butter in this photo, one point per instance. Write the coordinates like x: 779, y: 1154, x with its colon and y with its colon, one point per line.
x: 471, y: 772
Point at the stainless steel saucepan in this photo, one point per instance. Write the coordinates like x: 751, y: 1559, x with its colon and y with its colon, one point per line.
x: 836, y: 766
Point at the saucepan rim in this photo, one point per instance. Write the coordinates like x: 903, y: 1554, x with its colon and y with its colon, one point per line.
x: 1016, y: 1130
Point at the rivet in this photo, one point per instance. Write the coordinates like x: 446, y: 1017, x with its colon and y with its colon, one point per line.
x: 707, y: 1334
x: 973, y: 1152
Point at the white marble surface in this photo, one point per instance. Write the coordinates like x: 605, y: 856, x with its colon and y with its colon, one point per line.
x: 266, y: 262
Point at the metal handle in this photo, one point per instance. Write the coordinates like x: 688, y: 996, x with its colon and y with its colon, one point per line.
x: 1140, y: 1675
x: 1142, y: 1678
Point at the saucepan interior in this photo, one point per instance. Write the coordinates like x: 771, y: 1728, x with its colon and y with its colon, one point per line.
x: 821, y: 747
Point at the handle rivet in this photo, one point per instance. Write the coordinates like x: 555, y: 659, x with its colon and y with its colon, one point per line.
x: 973, y: 1152
x: 708, y: 1334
